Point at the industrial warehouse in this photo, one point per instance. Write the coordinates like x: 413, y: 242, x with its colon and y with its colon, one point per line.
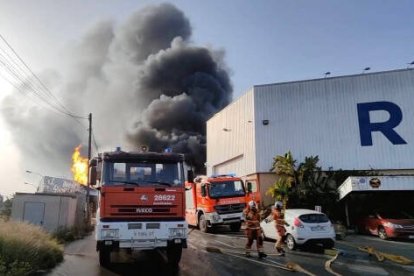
x: 359, y: 122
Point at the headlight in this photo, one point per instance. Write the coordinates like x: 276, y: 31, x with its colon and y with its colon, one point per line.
x: 177, y: 232
x: 110, y: 233
x: 215, y: 217
x: 392, y: 225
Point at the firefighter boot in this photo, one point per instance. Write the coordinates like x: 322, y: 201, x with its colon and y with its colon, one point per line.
x: 262, y: 255
x: 281, y: 251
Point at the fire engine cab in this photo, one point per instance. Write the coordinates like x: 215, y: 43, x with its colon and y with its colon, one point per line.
x: 215, y: 200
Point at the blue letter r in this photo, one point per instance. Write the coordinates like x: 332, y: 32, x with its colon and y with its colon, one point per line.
x: 387, y: 128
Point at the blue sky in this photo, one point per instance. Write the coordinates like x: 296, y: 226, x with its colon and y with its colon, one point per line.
x: 264, y: 41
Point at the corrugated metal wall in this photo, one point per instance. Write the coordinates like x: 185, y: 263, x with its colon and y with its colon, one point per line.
x: 230, y: 139
x: 320, y: 117
x: 58, y: 210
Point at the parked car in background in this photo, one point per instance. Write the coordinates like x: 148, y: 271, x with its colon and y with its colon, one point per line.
x: 305, y: 227
x: 387, y: 224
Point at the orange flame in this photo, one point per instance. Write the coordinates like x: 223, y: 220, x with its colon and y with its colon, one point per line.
x: 79, y: 166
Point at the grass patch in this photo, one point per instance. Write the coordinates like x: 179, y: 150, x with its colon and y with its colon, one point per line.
x: 65, y: 234
x: 26, y: 249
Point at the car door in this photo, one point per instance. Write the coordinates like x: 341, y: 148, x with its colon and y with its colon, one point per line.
x: 269, y: 228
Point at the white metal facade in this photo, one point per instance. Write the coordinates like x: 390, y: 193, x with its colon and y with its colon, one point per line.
x: 230, y: 138
x: 316, y: 117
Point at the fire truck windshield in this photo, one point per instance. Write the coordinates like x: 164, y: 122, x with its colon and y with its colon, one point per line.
x: 143, y: 174
x: 226, y: 189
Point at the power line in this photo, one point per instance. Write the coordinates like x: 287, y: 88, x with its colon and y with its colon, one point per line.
x: 15, y: 73
x: 27, y: 79
x: 28, y: 68
x: 11, y: 67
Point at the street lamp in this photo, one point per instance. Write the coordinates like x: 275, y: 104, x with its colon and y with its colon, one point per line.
x: 40, y: 181
x: 41, y: 175
x: 366, y: 69
x: 27, y: 183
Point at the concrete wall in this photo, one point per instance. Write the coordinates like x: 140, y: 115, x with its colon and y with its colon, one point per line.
x: 47, y: 210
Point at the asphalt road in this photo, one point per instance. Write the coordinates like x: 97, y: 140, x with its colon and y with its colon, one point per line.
x: 82, y: 259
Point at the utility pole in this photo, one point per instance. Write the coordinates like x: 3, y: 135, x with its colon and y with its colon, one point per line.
x: 89, y: 141
x: 88, y: 217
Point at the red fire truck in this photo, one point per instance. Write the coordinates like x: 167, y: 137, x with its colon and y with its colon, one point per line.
x: 141, y: 203
x: 215, y: 200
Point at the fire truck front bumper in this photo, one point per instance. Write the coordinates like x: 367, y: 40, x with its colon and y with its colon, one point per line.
x: 141, y: 235
x: 216, y: 219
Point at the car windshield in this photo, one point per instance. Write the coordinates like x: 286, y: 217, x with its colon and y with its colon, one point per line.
x: 143, y: 174
x: 226, y: 189
x: 395, y: 215
x: 314, y: 218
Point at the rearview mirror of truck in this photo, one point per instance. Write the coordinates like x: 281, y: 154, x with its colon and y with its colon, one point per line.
x: 92, y: 176
x: 190, y: 176
x: 203, y: 191
x: 249, y: 187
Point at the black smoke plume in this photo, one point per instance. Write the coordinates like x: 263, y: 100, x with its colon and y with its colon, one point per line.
x: 144, y: 82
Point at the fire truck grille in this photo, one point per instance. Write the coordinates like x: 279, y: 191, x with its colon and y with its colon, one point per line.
x: 230, y: 208
x: 141, y: 210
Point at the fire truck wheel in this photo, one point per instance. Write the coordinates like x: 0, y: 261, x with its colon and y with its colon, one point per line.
x: 235, y: 227
x: 104, y: 257
x: 202, y: 224
x: 174, y: 252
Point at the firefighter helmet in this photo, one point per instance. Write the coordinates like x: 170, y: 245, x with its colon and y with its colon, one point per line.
x: 252, y: 204
x: 278, y: 204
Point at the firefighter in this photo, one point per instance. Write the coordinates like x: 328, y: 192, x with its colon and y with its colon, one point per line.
x: 253, y: 230
x: 280, y: 223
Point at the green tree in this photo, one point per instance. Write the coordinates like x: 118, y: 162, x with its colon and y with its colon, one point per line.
x: 284, y: 168
x: 305, y: 185
x: 5, y: 211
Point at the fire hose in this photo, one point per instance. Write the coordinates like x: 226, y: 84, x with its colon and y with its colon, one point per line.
x: 330, y: 261
x: 290, y: 266
x: 381, y: 256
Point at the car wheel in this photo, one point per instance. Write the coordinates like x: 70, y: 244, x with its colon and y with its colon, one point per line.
x: 290, y: 242
x: 202, y: 224
x: 382, y: 234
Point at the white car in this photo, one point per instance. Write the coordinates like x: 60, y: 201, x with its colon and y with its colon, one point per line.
x: 305, y: 227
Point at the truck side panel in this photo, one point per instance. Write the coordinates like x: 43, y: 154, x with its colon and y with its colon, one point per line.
x: 191, y: 204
